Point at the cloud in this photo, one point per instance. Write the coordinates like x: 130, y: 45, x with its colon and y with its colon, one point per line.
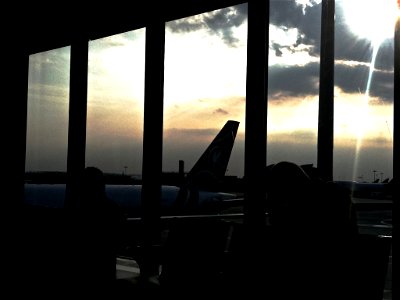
x: 289, y: 14
x: 353, y: 48
x: 220, y: 22
x: 220, y: 111
x: 303, y: 80
x: 190, y: 133
x: 185, y: 144
x: 353, y: 79
x: 306, y: 19
x: 296, y: 136
x: 277, y: 48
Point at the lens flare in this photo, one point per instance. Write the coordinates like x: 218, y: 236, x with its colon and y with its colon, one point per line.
x: 375, y: 21
x: 371, y: 19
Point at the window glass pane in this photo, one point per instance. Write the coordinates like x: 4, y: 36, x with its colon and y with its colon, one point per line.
x: 47, y: 120
x: 293, y: 81
x: 114, y: 138
x: 205, y: 86
x: 47, y: 125
x: 364, y: 80
x: 364, y: 91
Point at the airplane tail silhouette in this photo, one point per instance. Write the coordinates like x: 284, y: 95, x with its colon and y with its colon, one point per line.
x: 213, y: 163
x: 209, y: 170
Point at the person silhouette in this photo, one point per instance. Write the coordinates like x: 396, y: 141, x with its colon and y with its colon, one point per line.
x: 289, y: 198
x: 312, y: 228
x: 300, y: 199
x: 97, y: 226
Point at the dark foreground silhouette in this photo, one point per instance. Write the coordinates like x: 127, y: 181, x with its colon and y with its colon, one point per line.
x: 309, y: 248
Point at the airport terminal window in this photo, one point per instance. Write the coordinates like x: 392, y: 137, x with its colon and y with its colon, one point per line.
x: 114, y: 136
x: 293, y: 82
x: 47, y: 116
x: 363, y: 83
x: 364, y: 78
x: 204, y: 86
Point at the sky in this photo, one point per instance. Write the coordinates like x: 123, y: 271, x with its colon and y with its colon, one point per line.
x: 205, y: 85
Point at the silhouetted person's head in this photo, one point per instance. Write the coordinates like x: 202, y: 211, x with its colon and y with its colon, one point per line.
x: 289, y: 192
x: 91, y: 186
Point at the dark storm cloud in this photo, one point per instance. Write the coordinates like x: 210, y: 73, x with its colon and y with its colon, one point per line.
x: 351, y: 79
x: 354, y: 80
x: 303, y: 80
x: 382, y: 85
x: 300, y: 81
x: 219, y: 22
x: 287, y: 14
x: 385, y: 56
x: 277, y: 48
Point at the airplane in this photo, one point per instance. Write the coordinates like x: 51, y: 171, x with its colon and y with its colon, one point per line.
x: 197, y: 194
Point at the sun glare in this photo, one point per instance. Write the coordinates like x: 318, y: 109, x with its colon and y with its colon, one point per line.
x: 371, y: 19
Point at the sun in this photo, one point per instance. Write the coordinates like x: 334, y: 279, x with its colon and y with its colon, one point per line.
x: 371, y: 19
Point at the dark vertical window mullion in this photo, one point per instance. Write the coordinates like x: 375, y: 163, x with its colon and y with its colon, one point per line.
x: 326, y: 91
x: 77, y: 113
x: 15, y: 155
x: 255, y: 138
x: 152, y: 140
x: 256, y: 110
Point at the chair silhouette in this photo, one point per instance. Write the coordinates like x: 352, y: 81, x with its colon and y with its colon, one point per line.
x: 193, y: 253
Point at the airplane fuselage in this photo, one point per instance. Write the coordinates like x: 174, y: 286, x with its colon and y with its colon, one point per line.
x: 128, y: 197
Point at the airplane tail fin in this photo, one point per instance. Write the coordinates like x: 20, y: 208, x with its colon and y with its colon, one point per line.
x: 213, y: 163
x: 209, y: 170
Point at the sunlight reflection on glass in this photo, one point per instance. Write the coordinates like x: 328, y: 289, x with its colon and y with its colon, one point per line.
x: 372, y: 21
